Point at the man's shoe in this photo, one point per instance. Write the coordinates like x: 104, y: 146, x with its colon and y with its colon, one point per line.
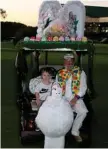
x: 84, y: 136
x: 78, y: 138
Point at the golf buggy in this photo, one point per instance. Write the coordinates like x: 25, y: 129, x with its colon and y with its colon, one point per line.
x: 28, y: 66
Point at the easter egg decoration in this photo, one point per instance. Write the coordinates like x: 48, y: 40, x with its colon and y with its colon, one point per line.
x: 78, y: 39
x: 84, y: 39
x: 50, y: 38
x: 67, y: 38
x: 44, y: 38
x: 55, y: 38
x: 26, y: 38
x: 61, y: 38
x: 38, y: 38
x: 33, y: 38
x: 72, y: 38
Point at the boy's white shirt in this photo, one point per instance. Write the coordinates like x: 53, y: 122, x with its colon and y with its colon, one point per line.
x: 34, y: 82
x: 38, y: 88
x: 82, y: 88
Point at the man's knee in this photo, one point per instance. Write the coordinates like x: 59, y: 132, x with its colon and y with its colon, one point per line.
x: 82, y: 111
x: 81, y: 108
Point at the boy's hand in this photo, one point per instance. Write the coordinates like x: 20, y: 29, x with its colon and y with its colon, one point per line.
x: 73, y: 101
x: 38, y: 102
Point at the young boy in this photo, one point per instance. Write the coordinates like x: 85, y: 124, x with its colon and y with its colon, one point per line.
x: 43, y: 89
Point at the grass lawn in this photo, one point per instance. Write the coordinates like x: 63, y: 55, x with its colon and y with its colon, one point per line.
x: 9, y: 111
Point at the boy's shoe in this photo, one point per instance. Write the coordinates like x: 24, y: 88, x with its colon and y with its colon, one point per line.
x: 78, y: 138
x: 37, y: 129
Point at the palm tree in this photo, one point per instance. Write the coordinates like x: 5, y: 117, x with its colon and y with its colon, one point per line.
x: 3, y: 13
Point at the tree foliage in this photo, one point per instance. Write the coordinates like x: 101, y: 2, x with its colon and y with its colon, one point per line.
x: 16, y: 31
x: 3, y: 13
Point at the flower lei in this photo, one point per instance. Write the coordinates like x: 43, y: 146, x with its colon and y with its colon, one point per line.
x: 64, y: 75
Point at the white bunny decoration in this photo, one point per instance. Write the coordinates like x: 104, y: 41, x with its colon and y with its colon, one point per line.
x: 55, y: 118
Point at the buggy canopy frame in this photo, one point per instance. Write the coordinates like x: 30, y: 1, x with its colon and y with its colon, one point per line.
x: 67, y: 46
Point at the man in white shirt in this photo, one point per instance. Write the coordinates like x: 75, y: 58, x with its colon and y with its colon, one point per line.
x: 73, y: 82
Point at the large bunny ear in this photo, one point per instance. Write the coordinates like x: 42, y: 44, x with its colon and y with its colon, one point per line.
x: 74, y: 13
x: 48, y: 12
x: 56, y: 84
x: 47, y: 7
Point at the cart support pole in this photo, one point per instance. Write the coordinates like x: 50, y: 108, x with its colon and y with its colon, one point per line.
x: 35, y: 63
x: 46, y: 58
x: 90, y: 69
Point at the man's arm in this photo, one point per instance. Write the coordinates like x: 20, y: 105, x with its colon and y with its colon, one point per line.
x: 83, y: 85
x: 82, y: 89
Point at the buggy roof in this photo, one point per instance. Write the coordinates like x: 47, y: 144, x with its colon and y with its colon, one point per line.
x: 96, y: 11
x: 55, y: 46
